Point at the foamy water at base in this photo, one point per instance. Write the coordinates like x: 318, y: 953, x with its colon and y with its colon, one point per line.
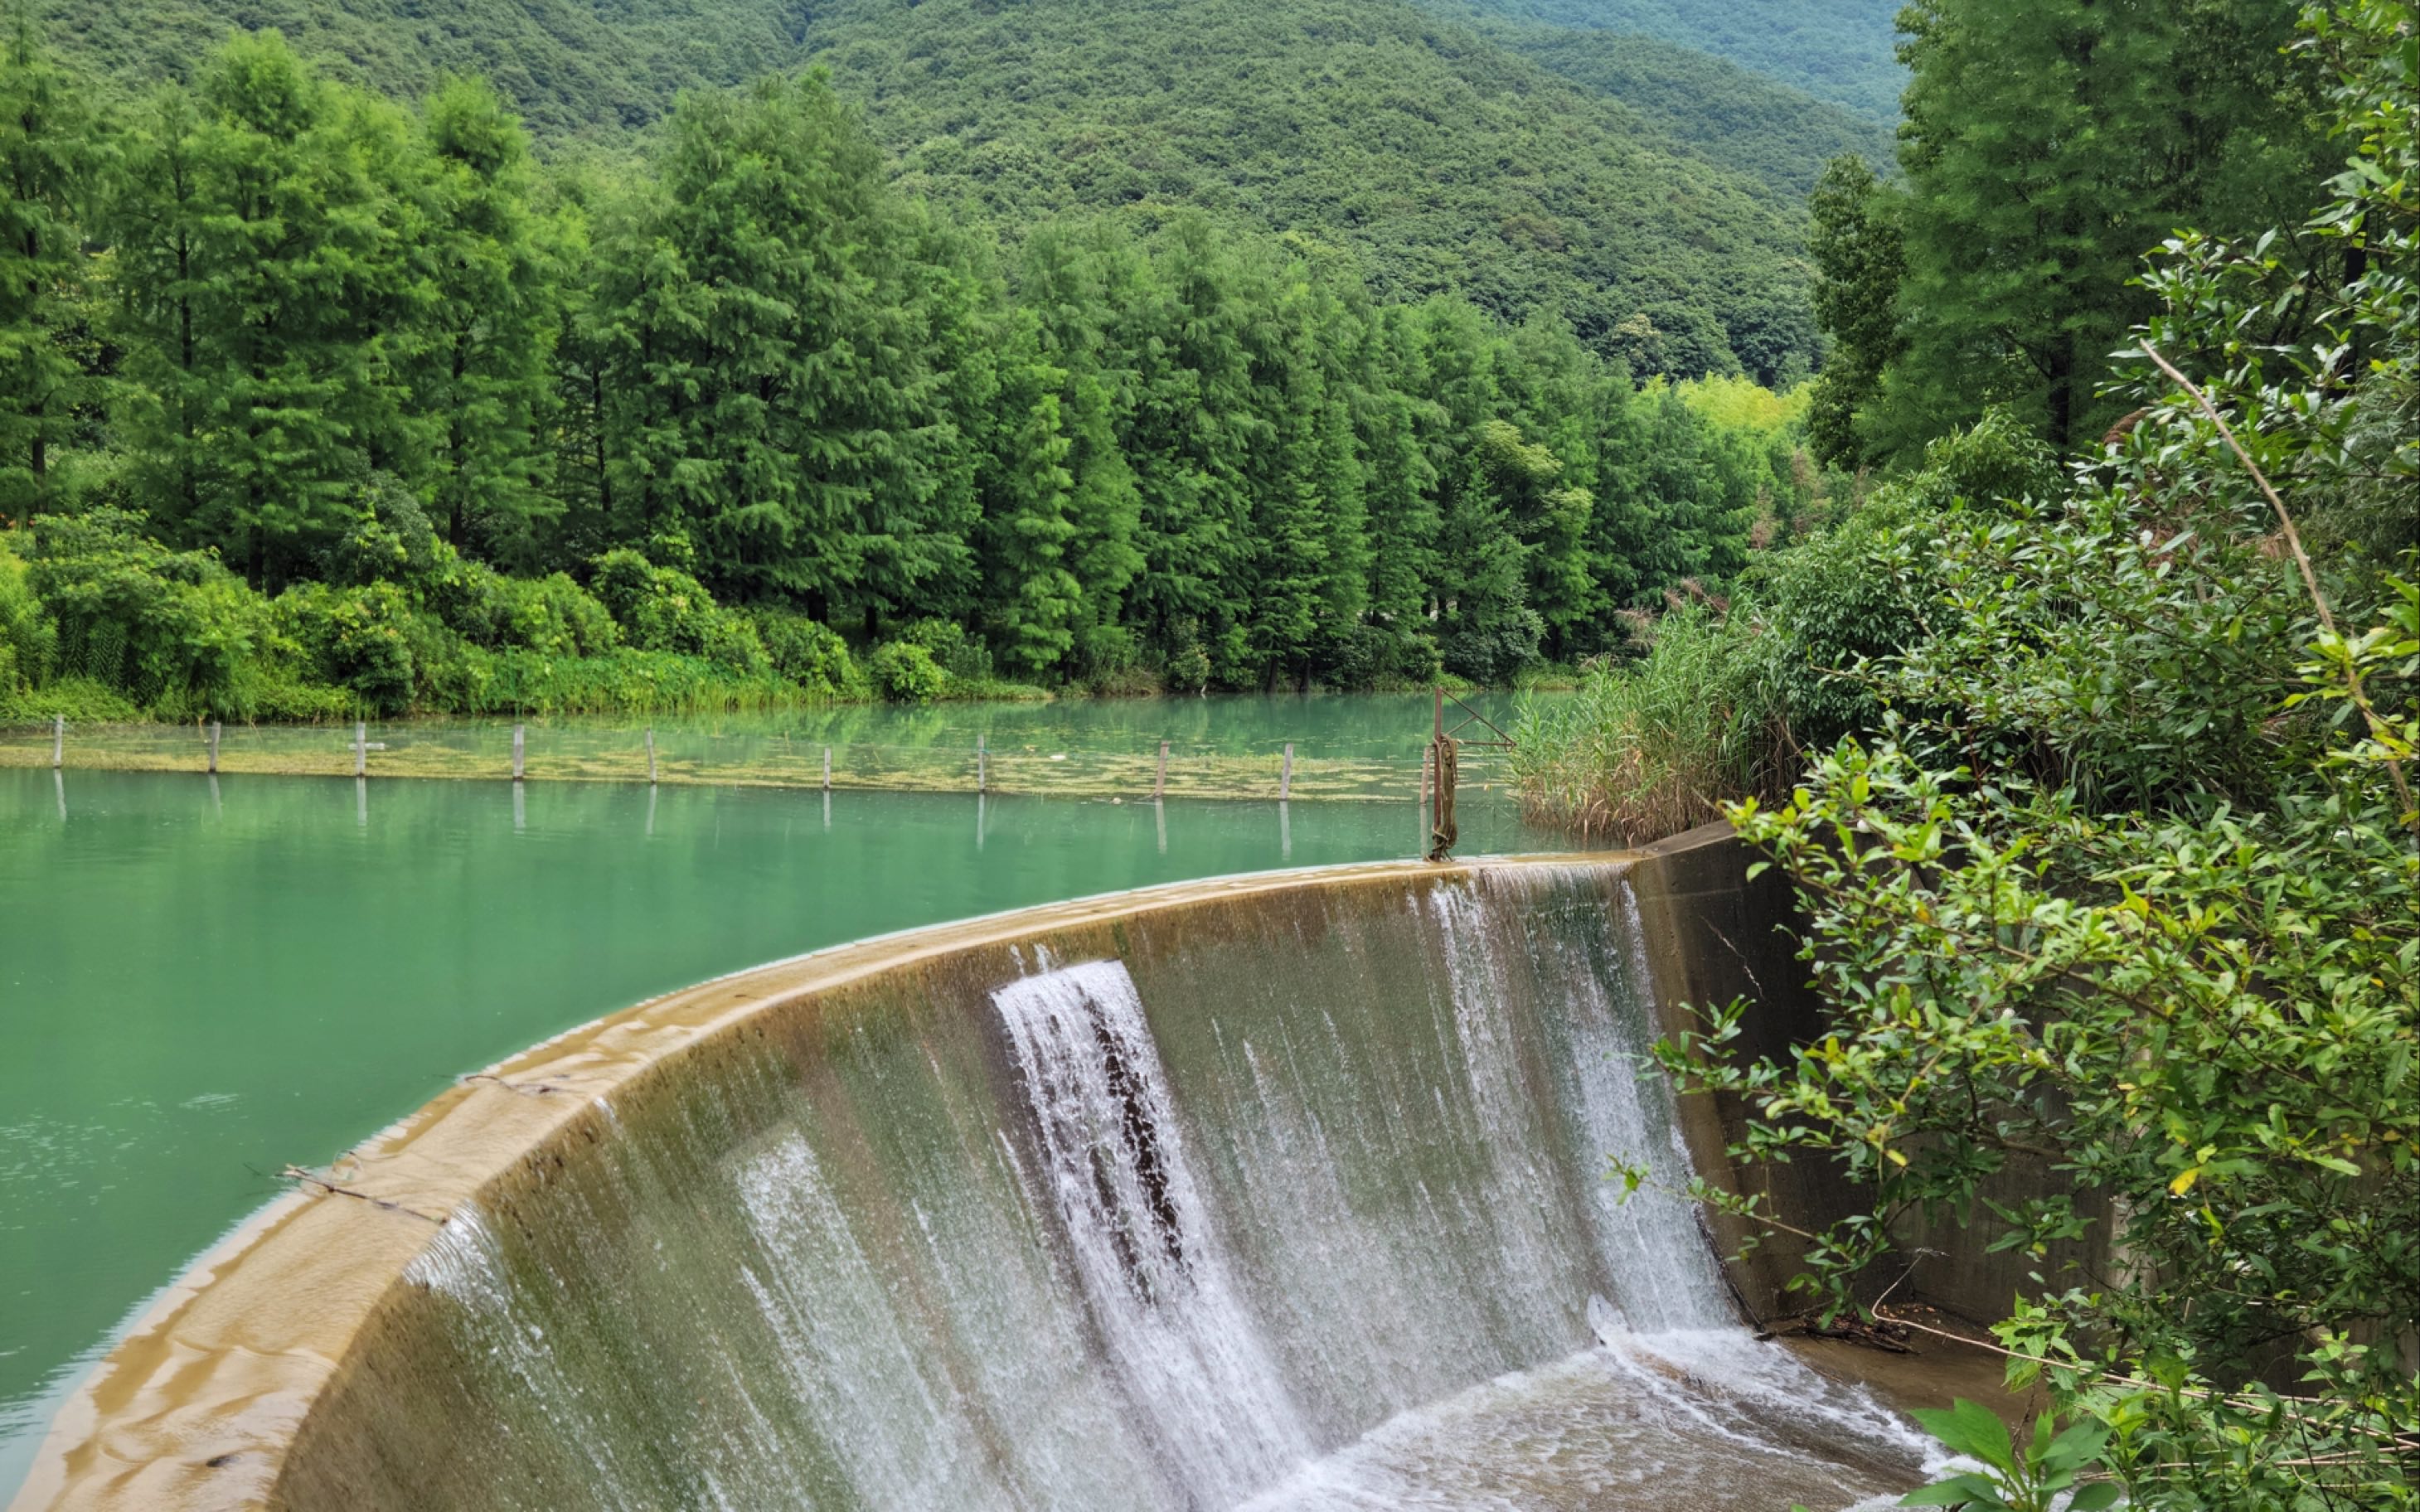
x: 1703, y: 1421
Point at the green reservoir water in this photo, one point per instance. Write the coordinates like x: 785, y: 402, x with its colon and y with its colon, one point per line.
x: 202, y: 981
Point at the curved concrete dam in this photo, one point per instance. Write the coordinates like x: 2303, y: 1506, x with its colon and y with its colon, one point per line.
x: 1282, y: 1191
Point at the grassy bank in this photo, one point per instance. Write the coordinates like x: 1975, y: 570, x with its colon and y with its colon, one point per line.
x: 1721, y: 700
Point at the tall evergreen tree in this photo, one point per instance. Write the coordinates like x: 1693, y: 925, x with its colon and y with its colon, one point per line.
x: 1072, y: 284
x: 639, y: 336
x: 49, y: 155
x: 157, y: 221
x: 1196, y: 424
x: 581, y: 414
x: 1031, y: 601
x: 768, y: 330
x: 1403, y: 477
x: 2048, y: 145
x: 261, y: 277
x: 1859, y: 264
x: 481, y: 370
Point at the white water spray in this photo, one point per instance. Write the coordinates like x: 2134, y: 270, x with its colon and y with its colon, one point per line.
x: 1152, y: 1265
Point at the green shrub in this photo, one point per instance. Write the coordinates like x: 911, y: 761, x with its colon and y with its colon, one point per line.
x: 81, y: 699
x: 1108, y: 662
x: 278, y: 689
x: 1188, y: 668
x: 552, y: 615
x: 808, y: 654
x: 361, y: 639
x: 963, y: 656
x: 660, y: 609
x: 1835, y: 601
x: 906, y: 673
x: 134, y: 616
x: 28, y: 639
x: 1997, y: 459
x: 1492, y: 649
x: 555, y: 617
x: 624, y: 681
x: 391, y: 540
x: 1386, y: 657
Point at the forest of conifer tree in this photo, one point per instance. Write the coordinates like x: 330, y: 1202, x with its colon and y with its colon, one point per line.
x: 317, y: 400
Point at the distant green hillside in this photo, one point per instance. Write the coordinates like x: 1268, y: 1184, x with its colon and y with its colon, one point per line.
x: 1444, y: 160
x: 572, y: 67
x: 1650, y: 194
x: 1836, y: 49
x: 1739, y: 118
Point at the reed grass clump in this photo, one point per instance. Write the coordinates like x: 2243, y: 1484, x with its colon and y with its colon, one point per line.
x: 1651, y: 747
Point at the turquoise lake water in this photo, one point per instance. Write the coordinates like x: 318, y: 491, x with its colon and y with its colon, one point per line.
x: 202, y: 981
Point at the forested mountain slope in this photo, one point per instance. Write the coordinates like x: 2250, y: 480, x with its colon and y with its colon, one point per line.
x: 1738, y: 117
x: 1444, y: 160
x: 569, y: 67
x: 1836, y: 50
x: 1446, y: 163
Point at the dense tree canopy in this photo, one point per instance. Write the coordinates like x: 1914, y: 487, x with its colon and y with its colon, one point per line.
x: 358, y: 357
x: 1835, y: 50
x: 1741, y: 119
x: 2048, y: 146
x: 584, y: 67
x: 1645, y: 191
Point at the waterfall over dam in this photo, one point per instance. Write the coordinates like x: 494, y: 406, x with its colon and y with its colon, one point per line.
x: 1279, y: 1193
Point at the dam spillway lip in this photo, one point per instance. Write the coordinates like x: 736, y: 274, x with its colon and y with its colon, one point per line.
x: 200, y: 1403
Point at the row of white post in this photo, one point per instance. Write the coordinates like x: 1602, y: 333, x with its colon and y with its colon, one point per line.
x: 362, y: 746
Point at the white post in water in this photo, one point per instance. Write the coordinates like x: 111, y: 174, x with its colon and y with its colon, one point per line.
x: 1285, y: 776
x: 651, y: 767
x: 360, y: 748
x: 983, y: 764
x: 828, y: 777
x: 1159, y: 783
x: 58, y: 741
x: 521, y: 732
x: 215, y: 747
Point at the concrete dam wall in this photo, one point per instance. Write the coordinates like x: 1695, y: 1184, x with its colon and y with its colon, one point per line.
x: 1282, y: 1191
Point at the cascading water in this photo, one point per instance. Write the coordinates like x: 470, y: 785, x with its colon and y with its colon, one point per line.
x: 1292, y: 1203
x: 1152, y: 1265
x: 1592, y: 987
